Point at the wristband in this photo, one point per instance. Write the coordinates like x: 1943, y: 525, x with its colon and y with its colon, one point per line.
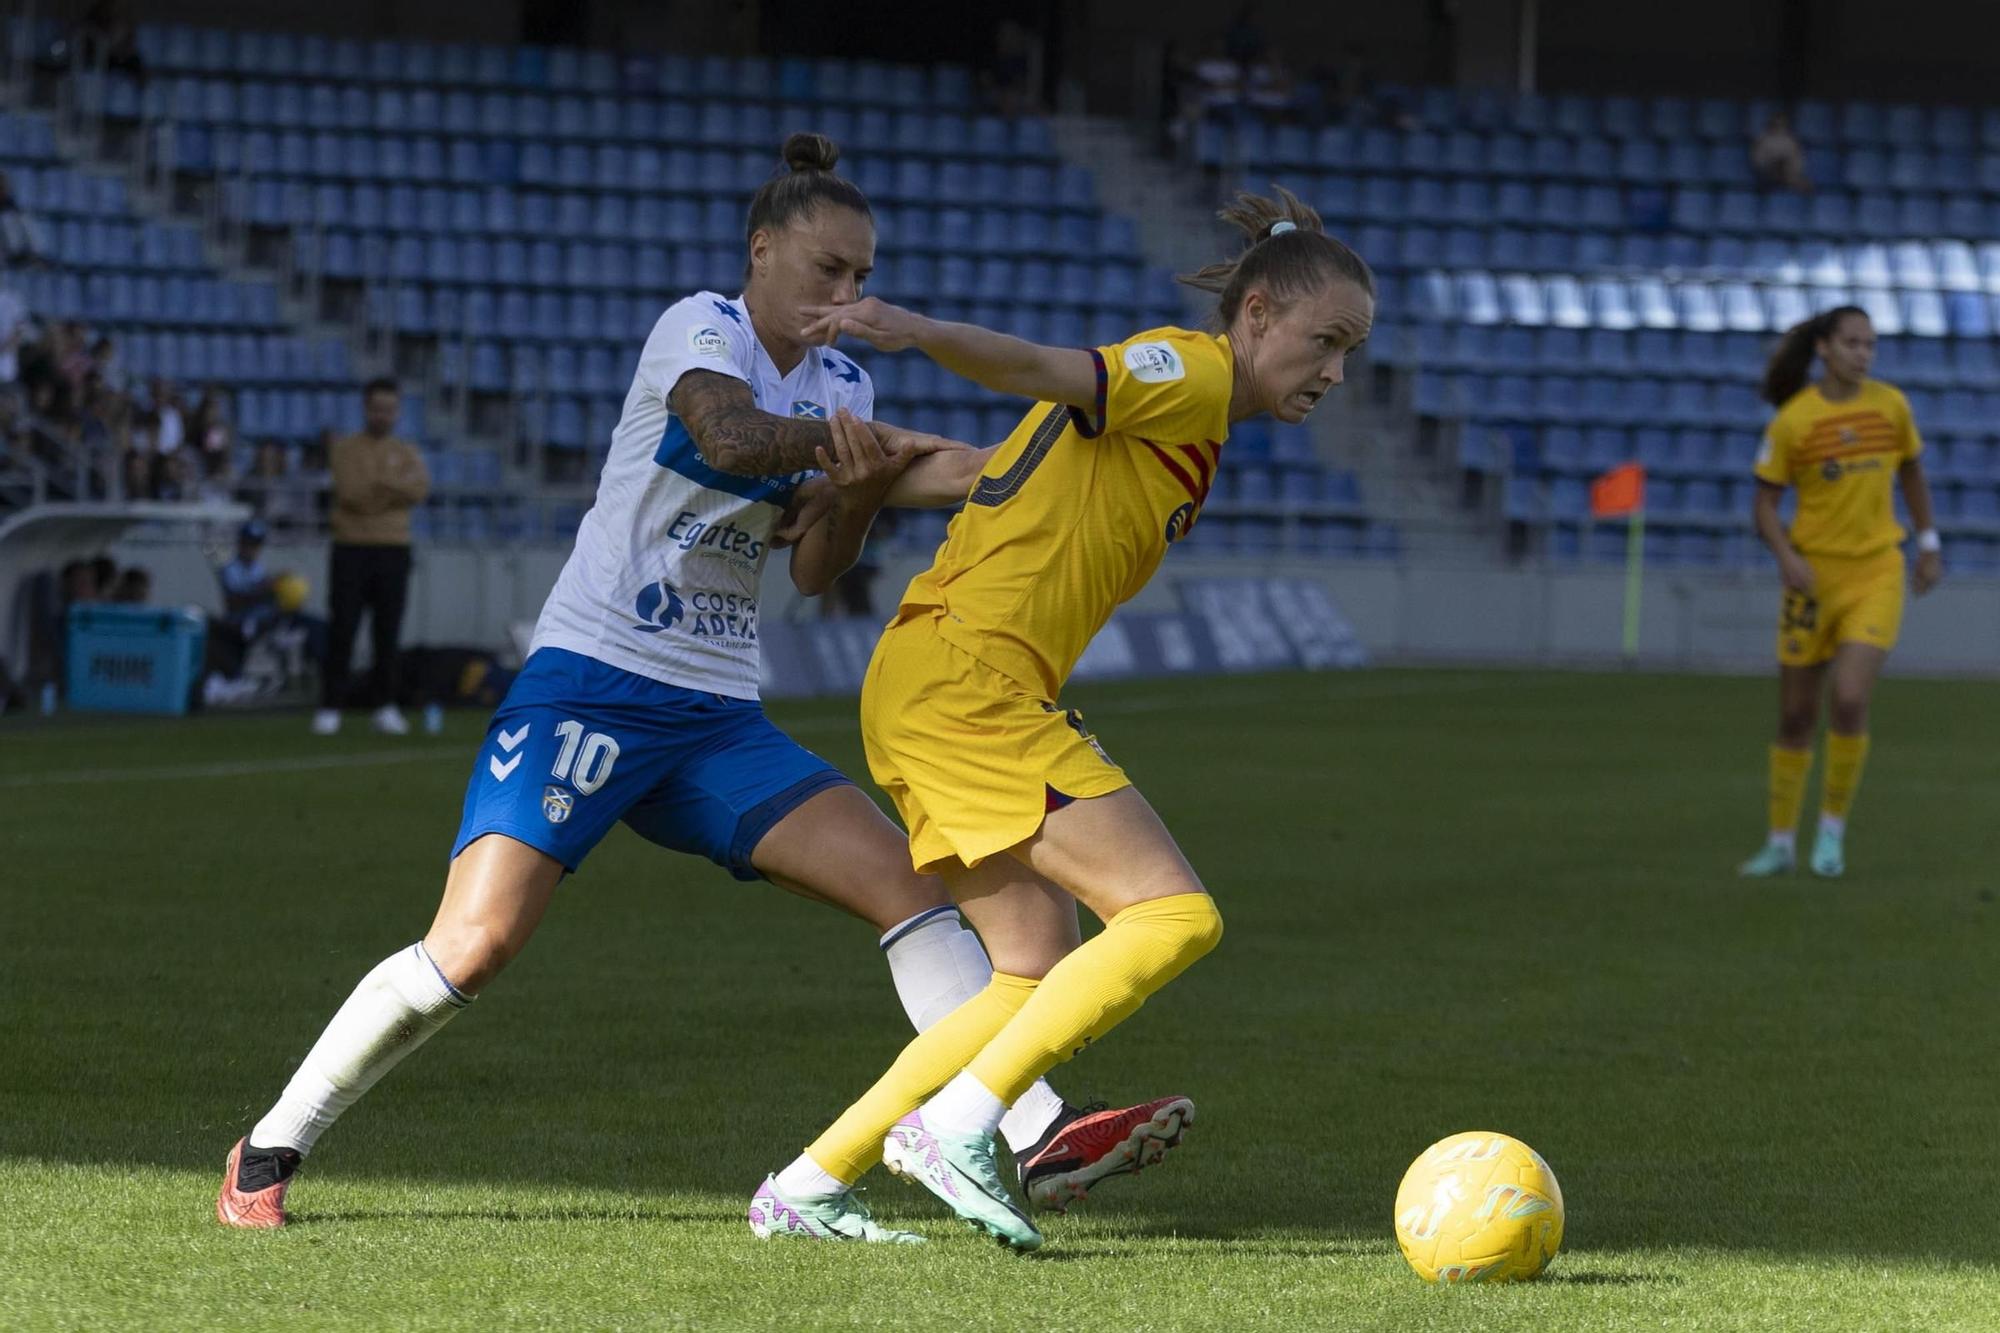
x: 1927, y: 542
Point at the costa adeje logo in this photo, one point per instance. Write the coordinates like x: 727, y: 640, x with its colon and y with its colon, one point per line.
x: 658, y: 607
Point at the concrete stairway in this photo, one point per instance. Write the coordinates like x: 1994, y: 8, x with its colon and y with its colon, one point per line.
x: 1369, y: 428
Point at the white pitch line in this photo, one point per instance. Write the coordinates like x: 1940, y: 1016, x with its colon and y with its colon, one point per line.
x: 236, y: 768
x: 242, y: 768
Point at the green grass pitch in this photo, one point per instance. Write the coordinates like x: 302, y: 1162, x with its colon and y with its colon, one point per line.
x: 1454, y: 900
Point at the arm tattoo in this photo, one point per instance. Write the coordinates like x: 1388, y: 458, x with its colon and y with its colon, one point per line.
x: 735, y: 435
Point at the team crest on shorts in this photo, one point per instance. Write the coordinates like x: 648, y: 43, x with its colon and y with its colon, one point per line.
x: 557, y: 802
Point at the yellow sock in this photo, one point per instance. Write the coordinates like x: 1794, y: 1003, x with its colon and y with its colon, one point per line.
x: 1788, y: 786
x: 853, y: 1143
x: 1097, y: 987
x: 1844, y: 758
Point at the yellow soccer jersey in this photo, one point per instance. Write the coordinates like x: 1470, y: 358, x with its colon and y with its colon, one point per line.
x: 1843, y: 459
x: 1077, y: 509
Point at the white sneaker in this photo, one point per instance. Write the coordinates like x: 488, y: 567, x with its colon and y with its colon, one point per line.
x: 389, y: 720
x: 326, y: 722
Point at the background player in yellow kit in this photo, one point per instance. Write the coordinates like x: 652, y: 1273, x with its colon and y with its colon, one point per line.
x: 1843, y: 442
x: 1004, y: 792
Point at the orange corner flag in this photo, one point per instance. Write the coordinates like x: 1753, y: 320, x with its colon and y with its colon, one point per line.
x: 1619, y: 491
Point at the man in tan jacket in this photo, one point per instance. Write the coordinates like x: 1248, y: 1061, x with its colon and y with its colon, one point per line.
x: 377, y: 480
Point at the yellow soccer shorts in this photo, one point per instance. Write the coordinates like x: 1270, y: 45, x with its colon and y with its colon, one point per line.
x: 972, y: 758
x: 1854, y: 600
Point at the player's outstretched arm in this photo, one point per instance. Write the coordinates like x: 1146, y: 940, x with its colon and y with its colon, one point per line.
x: 939, y: 480
x: 857, y: 474
x: 995, y: 361
x: 735, y: 435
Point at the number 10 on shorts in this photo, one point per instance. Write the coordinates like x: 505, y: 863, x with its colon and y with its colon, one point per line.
x: 586, y: 759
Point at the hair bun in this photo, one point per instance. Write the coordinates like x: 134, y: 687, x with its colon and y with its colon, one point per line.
x: 810, y: 152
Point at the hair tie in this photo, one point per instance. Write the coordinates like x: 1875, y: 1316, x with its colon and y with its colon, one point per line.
x: 1280, y: 227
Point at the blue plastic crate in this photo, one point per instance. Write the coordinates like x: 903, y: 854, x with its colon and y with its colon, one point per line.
x: 134, y: 659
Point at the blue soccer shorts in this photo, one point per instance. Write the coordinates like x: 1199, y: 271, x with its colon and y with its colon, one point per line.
x: 578, y: 745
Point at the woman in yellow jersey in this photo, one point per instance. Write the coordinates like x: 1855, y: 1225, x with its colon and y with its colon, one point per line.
x: 1842, y: 441
x: 1004, y: 792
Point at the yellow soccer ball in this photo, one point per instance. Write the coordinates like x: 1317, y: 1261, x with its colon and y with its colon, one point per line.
x: 289, y: 591
x: 1479, y: 1207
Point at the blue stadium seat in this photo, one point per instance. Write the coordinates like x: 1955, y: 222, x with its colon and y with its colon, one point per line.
x: 1875, y: 214
x: 1919, y: 215
x: 1969, y: 315
x: 1866, y: 169
x: 1640, y: 161
x: 1515, y: 201
x: 1830, y: 214
x: 1553, y: 251
x: 1694, y: 211
x: 1952, y: 128
x: 1974, y: 362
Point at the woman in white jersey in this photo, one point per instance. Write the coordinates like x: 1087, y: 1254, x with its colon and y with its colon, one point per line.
x: 639, y: 698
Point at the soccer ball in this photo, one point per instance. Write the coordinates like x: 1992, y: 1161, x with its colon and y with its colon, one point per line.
x: 1479, y: 1207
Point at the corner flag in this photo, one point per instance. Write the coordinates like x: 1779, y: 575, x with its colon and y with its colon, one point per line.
x: 1622, y: 490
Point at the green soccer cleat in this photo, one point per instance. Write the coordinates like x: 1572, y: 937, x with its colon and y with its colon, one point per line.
x: 962, y: 1173
x: 1829, y: 858
x: 1772, y: 859
x: 841, y: 1217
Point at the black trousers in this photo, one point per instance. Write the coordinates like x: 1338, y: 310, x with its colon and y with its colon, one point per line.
x: 375, y: 579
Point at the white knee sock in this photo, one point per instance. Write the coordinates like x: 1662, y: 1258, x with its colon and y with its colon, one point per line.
x: 393, y: 1011
x: 938, y: 965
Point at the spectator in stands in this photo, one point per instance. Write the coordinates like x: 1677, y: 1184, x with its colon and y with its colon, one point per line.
x: 319, y: 454
x: 280, y: 505
x: 141, y: 463
x: 212, y: 474
x: 73, y: 364
x: 1351, y: 82
x: 171, y: 431
x: 377, y: 480
x: 107, y: 29
x: 20, y: 234
x: 134, y: 588
x: 1244, y: 43
x: 1016, y: 56
x: 1778, y: 158
x: 209, y: 427
x: 175, y: 477
x: 104, y: 431
x: 79, y: 583
x: 13, y: 332
x: 45, y: 365
x: 1270, y: 89
x: 104, y: 359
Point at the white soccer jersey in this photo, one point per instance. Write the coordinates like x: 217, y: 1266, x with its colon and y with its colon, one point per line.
x: 663, y: 580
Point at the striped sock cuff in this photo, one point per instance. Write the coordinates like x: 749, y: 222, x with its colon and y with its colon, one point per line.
x: 448, y: 993
x: 903, y: 929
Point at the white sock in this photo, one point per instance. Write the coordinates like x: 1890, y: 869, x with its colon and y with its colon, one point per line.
x: 1028, y: 1119
x: 807, y: 1179
x: 1785, y: 838
x: 1832, y: 826
x: 965, y: 1107
x: 391, y: 1013
x: 938, y: 965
